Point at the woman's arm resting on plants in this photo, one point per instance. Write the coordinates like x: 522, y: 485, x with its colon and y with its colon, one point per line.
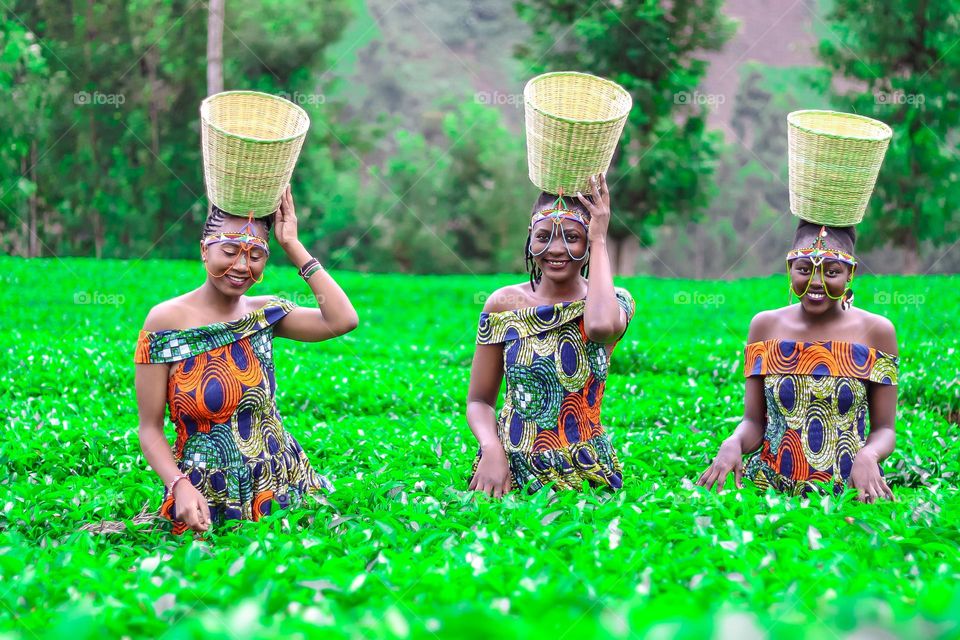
x: 151, y: 386
x: 748, y: 436
x: 882, y: 409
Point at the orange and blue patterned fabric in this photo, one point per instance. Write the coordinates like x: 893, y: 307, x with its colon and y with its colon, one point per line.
x: 230, y: 438
x: 550, y: 423
x: 816, y: 400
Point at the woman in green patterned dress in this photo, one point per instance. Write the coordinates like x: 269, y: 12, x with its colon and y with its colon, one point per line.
x: 551, y: 338
x: 816, y: 372
x: 208, y: 355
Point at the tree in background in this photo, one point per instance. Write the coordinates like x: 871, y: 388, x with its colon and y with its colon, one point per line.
x: 904, y: 60
x: 103, y: 152
x: 664, y: 165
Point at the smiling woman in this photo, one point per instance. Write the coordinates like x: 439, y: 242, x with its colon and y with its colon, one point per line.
x: 817, y: 373
x: 207, y: 354
x: 551, y: 339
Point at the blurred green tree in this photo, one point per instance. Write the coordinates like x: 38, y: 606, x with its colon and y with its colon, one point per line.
x: 904, y: 63
x: 665, y: 161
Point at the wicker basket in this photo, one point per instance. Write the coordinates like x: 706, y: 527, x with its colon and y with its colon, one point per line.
x: 251, y: 142
x: 573, y: 122
x: 834, y: 162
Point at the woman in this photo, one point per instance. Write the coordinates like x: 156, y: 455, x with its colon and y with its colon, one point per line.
x: 207, y: 354
x: 552, y: 337
x: 815, y: 372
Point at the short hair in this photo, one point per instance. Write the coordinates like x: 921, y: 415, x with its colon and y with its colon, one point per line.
x: 216, y: 216
x: 842, y: 238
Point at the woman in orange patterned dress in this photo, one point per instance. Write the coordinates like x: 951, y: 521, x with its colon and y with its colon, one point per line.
x: 816, y: 373
x: 551, y: 338
x: 208, y: 355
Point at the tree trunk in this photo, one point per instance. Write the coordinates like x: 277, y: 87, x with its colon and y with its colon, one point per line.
x: 911, y: 255
x: 34, y: 250
x: 627, y: 254
x: 215, y: 46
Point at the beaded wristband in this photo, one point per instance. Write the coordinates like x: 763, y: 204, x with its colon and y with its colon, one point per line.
x: 312, y: 271
x: 307, y: 265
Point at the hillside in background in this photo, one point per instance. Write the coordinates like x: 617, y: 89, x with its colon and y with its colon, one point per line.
x: 402, y: 63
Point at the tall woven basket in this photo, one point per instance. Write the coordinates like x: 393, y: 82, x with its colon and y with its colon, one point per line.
x: 834, y: 160
x: 573, y: 122
x: 251, y: 142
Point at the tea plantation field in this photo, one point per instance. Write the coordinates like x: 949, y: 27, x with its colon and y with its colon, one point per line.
x: 401, y: 549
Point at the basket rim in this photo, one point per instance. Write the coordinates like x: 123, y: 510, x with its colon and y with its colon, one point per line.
x: 527, y: 100
x: 207, y: 123
x: 886, y: 131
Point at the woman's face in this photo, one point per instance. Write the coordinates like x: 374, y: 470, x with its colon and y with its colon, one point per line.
x: 833, y: 279
x: 230, y: 268
x: 554, y: 260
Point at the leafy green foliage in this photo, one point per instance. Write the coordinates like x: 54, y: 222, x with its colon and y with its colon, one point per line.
x: 902, y: 59
x: 665, y: 158
x: 400, y: 549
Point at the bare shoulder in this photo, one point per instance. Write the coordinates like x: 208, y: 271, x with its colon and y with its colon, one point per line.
x: 166, y: 315
x: 508, y: 298
x: 878, y: 331
x: 764, y: 325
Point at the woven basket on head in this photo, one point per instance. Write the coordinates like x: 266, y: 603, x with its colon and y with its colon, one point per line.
x: 834, y: 162
x: 251, y: 142
x: 573, y: 121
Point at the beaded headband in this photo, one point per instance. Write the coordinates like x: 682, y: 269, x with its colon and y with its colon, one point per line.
x: 558, y: 212
x: 818, y: 254
x: 246, y: 236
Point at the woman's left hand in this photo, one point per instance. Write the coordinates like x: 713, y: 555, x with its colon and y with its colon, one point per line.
x: 866, y: 479
x: 599, y: 208
x: 285, y: 225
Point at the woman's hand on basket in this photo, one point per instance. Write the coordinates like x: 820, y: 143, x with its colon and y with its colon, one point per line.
x: 192, y: 507
x: 285, y: 225
x: 598, y: 206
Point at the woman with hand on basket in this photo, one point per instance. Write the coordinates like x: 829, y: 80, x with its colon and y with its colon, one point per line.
x: 552, y: 338
x: 207, y: 354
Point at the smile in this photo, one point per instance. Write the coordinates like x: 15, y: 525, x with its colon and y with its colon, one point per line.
x: 556, y: 263
x: 815, y: 296
x: 234, y: 280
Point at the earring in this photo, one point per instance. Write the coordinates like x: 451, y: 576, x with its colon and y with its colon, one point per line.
x: 847, y: 301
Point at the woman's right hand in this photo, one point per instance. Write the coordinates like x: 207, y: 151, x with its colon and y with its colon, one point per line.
x: 192, y: 507
x: 729, y: 458
x: 493, y: 475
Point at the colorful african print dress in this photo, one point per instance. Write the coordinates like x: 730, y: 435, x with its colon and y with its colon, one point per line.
x: 550, y: 420
x: 230, y: 438
x: 816, y: 398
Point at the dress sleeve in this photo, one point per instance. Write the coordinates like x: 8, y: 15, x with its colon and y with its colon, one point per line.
x: 626, y: 302
x: 158, y: 347
x: 886, y: 369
